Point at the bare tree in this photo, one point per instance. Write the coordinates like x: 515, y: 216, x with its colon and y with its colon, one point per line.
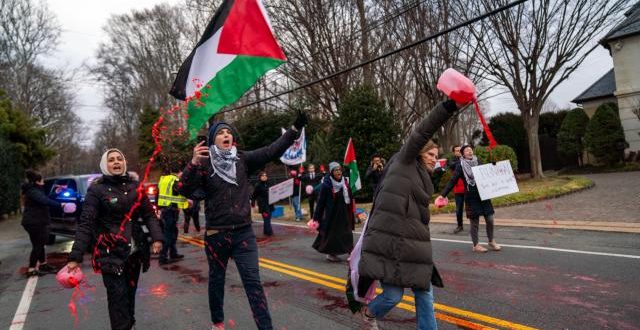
x: 531, y: 49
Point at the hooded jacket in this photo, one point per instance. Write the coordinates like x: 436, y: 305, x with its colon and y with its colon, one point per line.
x: 227, y: 206
x: 396, y: 246
x: 36, y: 205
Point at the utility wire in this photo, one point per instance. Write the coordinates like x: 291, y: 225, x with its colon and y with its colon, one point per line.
x: 385, y: 55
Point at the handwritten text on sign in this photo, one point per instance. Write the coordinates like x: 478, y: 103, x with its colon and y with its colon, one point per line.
x: 495, y: 180
x: 280, y: 191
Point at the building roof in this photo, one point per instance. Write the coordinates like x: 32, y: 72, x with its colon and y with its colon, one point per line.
x: 629, y: 27
x: 604, y: 87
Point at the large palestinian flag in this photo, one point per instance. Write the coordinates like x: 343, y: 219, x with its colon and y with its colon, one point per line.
x: 236, y: 49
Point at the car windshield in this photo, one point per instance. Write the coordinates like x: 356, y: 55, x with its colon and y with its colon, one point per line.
x: 69, y: 187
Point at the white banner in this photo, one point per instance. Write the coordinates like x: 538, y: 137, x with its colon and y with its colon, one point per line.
x: 495, y: 180
x: 280, y: 191
x: 297, y: 152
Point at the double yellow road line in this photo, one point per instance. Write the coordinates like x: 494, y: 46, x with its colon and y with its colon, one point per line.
x: 459, y: 317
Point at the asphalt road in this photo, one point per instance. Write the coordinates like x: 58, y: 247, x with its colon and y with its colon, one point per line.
x: 546, y: 279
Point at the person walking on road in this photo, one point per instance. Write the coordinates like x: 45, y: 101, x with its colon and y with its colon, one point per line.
x: 475, y: 207
x: 396, y: 247
x: 222, y: 171
x: 458, y: 188
x: 36, y: 221
x: 295, y: 198
x: 122, y: 248
x: 335, y: 215
x: 170, y: 202
x: 261, y: 198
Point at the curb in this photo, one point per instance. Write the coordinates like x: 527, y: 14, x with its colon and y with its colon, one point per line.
x: 602, y: 226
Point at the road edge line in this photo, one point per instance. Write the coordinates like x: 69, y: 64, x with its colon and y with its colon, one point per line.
x: 20, y: 317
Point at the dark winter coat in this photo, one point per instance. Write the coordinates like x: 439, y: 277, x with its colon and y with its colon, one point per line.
x: 326, y: 200
x: 307, y: 181
x: 227, y: 205
x: 396, y: 246
x: 473, y: 205
x: 373, y: 177
x: 107, y: 201
x: 261, y: 197
x: 36, y: 205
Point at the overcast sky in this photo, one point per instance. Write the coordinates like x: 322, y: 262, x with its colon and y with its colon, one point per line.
x: 82, y: 23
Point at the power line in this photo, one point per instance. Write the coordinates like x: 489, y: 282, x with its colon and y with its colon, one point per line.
x: 385, y: 55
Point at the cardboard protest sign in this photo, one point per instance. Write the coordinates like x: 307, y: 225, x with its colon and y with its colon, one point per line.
x: 495, y: 180
x: 280, y: 191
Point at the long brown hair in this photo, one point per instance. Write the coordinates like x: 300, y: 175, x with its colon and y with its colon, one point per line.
x: 428, y: 146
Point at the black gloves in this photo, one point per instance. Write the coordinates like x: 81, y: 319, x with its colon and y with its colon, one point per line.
x: 450, y: 105
x: 301, y: 120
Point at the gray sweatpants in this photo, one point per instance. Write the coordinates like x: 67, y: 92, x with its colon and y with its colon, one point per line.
x: 475, y: 224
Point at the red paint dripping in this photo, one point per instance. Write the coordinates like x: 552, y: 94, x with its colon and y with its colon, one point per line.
x: 487, y: 130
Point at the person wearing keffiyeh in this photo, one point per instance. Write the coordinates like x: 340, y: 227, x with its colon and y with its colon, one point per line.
x: 221, y: 171
x: 474, y: 206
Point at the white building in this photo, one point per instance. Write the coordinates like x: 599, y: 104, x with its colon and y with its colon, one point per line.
x: 622, y: 83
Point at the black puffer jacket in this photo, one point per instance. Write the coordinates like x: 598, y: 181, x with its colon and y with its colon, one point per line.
x: 36, y: 206
x: 107, y: 201
x: 396, y: 247
x: 227, y: 205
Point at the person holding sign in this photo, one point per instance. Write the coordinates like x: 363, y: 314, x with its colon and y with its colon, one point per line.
x: 335, y: 215
x: 261, y: 197
x: 475, y: 206
x: 222, y: 172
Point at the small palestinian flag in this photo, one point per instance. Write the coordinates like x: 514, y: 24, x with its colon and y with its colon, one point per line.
x: 352, y: 164
x: 236, y: 49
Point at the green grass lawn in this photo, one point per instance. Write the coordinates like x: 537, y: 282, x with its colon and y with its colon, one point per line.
x: 530, y: 190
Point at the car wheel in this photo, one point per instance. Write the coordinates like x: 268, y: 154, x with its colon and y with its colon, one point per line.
x: 51, y: 240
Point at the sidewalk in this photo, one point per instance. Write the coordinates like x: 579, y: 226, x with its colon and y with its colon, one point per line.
x: 609, y: 226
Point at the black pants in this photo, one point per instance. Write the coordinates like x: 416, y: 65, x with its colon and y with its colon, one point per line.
x: 169, y: 218
x: 192, y: 213
x: 459, y: 208
x: 38, y: 235
x: 121, y: 293
x: 239, y: 244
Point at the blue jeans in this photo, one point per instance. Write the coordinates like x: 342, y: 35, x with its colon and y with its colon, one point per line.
x: 459, y: 208
x: 266, y: 226
x: 295, y: 200
x: 240, y: 244
x: 392, y: 295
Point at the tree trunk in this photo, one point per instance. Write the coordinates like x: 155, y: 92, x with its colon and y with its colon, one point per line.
x: 364, y: 37
x: 531, y: 126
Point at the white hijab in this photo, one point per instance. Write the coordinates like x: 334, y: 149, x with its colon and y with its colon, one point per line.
x: 103, y: 162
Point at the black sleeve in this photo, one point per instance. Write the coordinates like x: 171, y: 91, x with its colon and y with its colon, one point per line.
x: 86, y: 224
x: 150, y: 219
x: 39, y: 197
x: 193, y: 178
x: 256, y: 159
x: 456, y: 176
x: 320, y: 204
x: 368, y: 173
x: 421, y: 134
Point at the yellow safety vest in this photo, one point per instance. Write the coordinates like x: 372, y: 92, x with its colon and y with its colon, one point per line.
x: 166, y: 196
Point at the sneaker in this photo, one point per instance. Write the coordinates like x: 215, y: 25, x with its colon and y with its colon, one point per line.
x: 332, y: 258
x: 457, y: 230
x: 218, y: 326
x: 177, y: 257
x: 368, y: 321
x: 494, y: 246
x: 33, y: 272
x: 478, y: 248
x: 46, y: 268
x: 298, y: 219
